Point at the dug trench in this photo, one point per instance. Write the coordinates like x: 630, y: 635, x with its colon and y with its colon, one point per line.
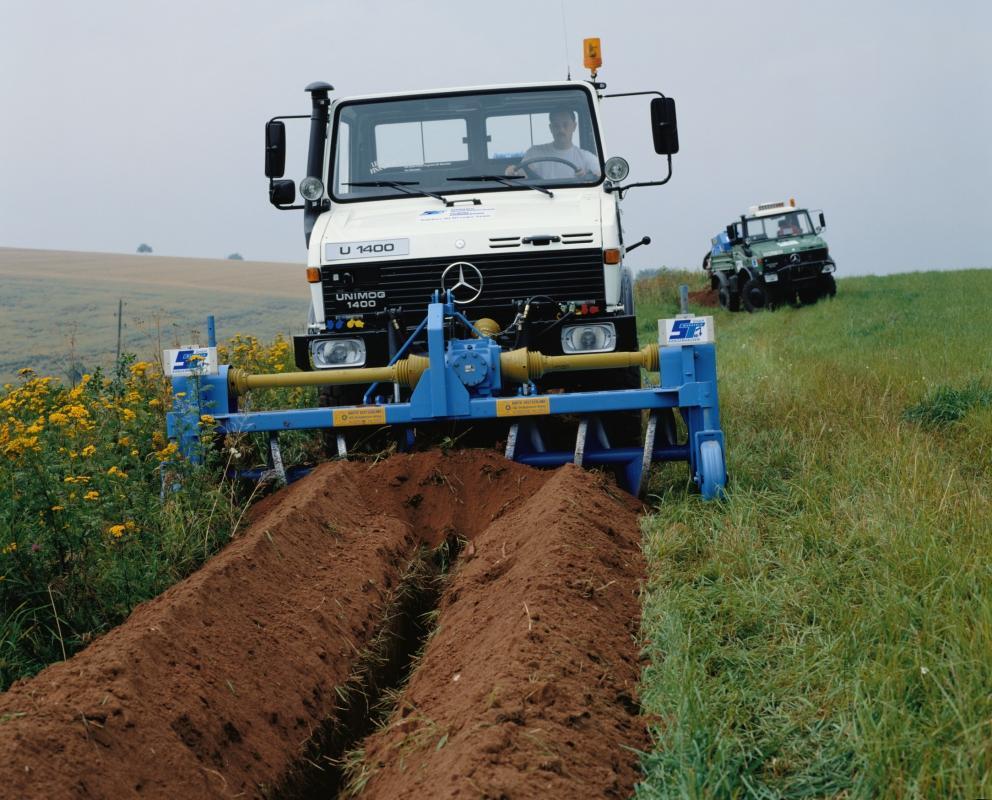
x: 452, y: 625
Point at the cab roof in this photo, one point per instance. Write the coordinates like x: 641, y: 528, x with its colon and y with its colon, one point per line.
x: 497, y: 87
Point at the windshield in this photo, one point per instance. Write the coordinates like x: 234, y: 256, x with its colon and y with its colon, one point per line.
x: 778, y: 226
x: 487, y: 141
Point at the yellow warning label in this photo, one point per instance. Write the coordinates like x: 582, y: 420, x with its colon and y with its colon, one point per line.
x: 361, y: 415
x: 523, y: 406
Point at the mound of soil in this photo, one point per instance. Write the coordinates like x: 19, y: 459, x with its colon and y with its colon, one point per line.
x: 527, y: 687
x: 235, y: 681
x: 704, y: 297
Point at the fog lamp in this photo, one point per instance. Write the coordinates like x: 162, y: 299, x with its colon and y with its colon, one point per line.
x: 332, y: 353
x: 617, y: 169
x: 597, y: 337
x: 312, y: 188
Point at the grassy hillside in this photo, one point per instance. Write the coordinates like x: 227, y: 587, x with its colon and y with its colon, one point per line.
x: 59, y: 310
x: 827, y: 630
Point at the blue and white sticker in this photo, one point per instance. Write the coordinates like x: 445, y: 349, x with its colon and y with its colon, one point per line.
x: 685, y: 330
x: 185, y: 361
x: 456, y: 213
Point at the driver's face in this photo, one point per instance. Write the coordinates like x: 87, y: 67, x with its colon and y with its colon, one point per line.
x: 562, y: 127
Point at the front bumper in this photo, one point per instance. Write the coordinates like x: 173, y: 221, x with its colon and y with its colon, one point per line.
x: 796, y: 276
x: 540, y: 336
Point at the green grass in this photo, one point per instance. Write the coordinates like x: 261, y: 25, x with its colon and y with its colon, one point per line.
x: 827, y: 630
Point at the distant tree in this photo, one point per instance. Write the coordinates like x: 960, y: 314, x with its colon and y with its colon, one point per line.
x: 144, y: 248
x: 235, y: 257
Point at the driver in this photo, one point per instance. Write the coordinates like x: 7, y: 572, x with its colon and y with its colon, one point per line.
x: 562, y: 125
x: 789, y: 226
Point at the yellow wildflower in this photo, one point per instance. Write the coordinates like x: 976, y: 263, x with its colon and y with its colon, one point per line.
x: 116, y: 531
x: 58, y: 418
x: 128, y: 414
x: 129, y: 524
x: 58, y: 508
x: 88, y: 451
x: 92, y: 494
x: 134, y: 453
x: 154, y: 402
x: 116, y: 471
x: 140, y: 368
x: 207, y: 419
x: 77, y: 411
x: 168, y: 451
x: 10, y: 548
x: 25, y: 371
x: 124, y: 441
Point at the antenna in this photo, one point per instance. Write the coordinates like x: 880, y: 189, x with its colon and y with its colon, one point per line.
x: 564, y: 33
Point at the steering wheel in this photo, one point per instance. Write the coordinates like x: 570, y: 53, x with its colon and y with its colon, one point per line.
x: 525, y: 164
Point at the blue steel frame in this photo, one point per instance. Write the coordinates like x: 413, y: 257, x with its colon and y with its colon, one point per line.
x: 687, y: 383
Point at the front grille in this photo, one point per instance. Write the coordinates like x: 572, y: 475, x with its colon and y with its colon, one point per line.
x: 562, y: 275
x: 499, y: 242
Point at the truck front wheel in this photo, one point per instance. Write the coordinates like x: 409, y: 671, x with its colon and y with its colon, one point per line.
x: 828, y: 286
x: 729, y: 300
x: 756, y: 295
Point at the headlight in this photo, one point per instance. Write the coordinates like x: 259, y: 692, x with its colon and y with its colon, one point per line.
x: 617, y: 169
x: 596, y: 337
x: 331, y: 353
x: 312, y: 188
x: 830, y: 266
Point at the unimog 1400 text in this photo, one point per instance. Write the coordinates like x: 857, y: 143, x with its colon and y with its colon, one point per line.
x: 774, y: 254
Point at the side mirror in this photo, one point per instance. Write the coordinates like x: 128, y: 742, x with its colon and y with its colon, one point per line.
x: 275, y: 149
x: 823, y: 222
x: 664, y: 127
x: 732, y: 232
x: 282, y: 193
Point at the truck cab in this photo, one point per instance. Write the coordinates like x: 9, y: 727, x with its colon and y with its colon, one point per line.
x: 772, y: 254
x: 505, y: 196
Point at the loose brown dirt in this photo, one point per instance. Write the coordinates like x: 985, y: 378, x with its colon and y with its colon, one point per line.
x: 230, y: 683
x: 704, y: 297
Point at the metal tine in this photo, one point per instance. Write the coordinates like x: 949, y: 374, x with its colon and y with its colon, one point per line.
x: 511, y: 440
x: 342, y: 447
x: 580, y: 441
x: 536, y: 440
x: 275, y: 455
x: 648, y: 454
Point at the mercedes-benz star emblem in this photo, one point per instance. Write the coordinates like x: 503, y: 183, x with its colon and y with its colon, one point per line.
x: 468, y: 285
x: 794, y: 258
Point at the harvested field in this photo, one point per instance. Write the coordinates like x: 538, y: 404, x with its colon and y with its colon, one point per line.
x: 264, y: 673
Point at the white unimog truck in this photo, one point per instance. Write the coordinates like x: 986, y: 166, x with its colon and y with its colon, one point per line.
x: 504, y: 195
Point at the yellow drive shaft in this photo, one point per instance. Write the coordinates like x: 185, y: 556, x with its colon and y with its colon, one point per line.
x: 517, y: 366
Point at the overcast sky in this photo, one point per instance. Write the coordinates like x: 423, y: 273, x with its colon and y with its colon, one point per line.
x: 128, y: 122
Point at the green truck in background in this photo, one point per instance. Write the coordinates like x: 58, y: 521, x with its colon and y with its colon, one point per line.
x: 774, y: 254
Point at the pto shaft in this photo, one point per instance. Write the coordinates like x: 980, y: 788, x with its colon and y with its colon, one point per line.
x: 517, y: 366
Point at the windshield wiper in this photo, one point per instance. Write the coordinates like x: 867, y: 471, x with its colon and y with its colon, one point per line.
x: 505, y: 180
x: 400, y: 186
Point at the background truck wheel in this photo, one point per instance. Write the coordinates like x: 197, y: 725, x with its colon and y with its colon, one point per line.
x: 731, y: 301
x: 706, y: 261
x: 828, y: 286
x: 755, y: 295
x: 809, y: 296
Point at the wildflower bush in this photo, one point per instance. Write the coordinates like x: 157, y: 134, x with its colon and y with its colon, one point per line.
x: 252, y: 355
x: 88, y: 525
